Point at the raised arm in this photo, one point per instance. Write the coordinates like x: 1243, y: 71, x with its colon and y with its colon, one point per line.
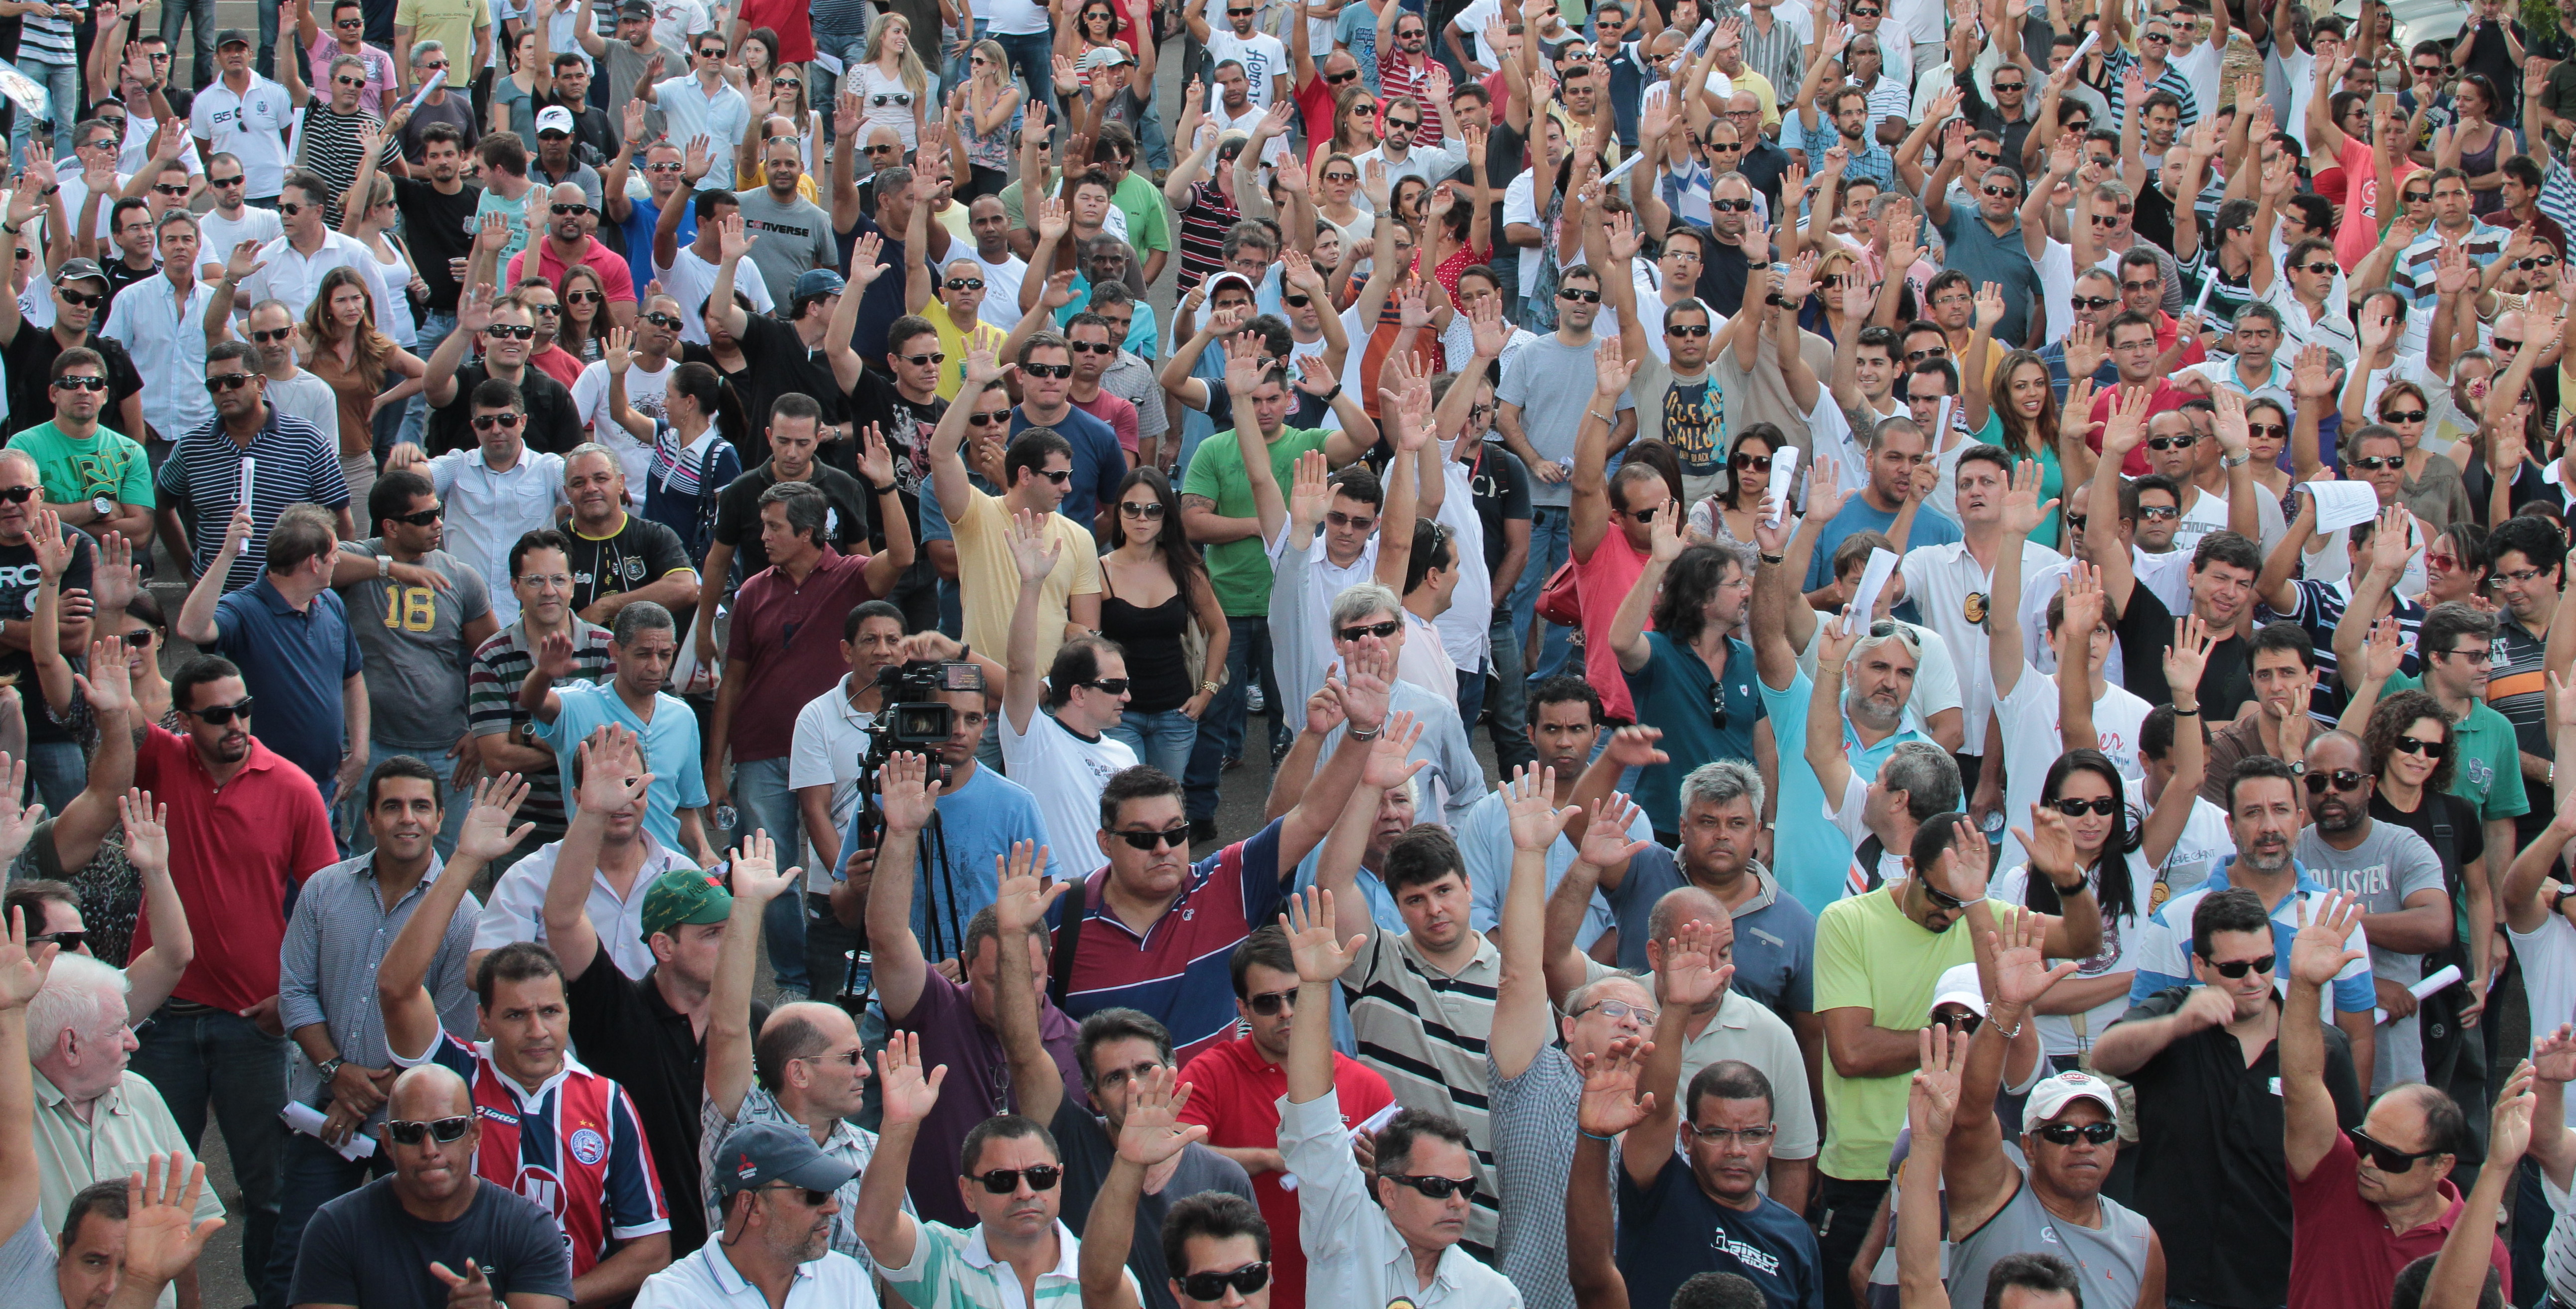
x: 613, y: 780
x: 2316, y: 955
x: 402, y: 992
x: 1020, y: 911
x: 910, y: 796
x: 1034, y: 554
x: 756, y: 881
x: 1524, y: 1021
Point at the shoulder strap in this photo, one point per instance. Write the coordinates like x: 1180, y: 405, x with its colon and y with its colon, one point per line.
x: 1067, y: 938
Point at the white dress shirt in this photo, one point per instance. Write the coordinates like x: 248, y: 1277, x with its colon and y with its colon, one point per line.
x: 488, y: 510
x: 165, y: 334
x: 517, y: 911
x: 1354, y: 1255
x: 293, y: 278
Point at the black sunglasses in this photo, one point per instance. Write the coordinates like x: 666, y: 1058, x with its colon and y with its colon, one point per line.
x: 1269, y: 1003
x: 1108, y: 685
x: 443, y: 1130
x: 2386, y: 1158
x: 1731, y: 206
x: 1739, y: 461
x: 2094, y: 302
x: 2341, y: 779
x: 2172, y: 442
x: 2403, y: 415
x: 486, y: 422
x: 1378, y: 630
x: 138, y: 640
x: 2074, y: 808
x: 1686, y: 330
x: 1046, y: 370
x: 220, y: 714
x: 422, y: 519
x: 2434, y: 750
x: 1437, y: 1188
x: 668, y: 322
x: 227, y: 382
x: 1584, y: 297
x: 1209, y: 1287
x: 81, y: 383
x: 965, y: 284
x: 1717, y: 718
x: 570, y: 211
x: 1094, y: 348
x: 934, y: 357
x: 17, y: 495
x: 1003, y: 1181
x: 2066, y: 1133
x: 2235, y: 968
x: 2374, y: 463
x: 510, y: 331
x: 83, y: 299
x: 1177, y: 838
x: 69, y: 941
x: 1149, y: 510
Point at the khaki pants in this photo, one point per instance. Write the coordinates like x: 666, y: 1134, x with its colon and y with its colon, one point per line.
x: 359, y: 471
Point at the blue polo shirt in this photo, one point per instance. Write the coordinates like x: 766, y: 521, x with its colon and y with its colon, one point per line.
x: 293, y: 662
x: 1775, y: 936
x: 671, y: 749
x: 1672, y: 1230
x: 1931, y: 527
x: 1099, y: 462
x: 1808, y: 852
x: 1675, y: 692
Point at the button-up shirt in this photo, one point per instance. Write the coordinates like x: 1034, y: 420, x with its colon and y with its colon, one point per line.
x: 127, y: 1124
x: 489, y: 509
x: 518, y: 908
x: 164, y: 333
x: 327, y: 969
x: 1354, y: 1255
x: 707, y: 1279
x: 294, y: 278
x: 689, y: 110
x: 951, y: 1269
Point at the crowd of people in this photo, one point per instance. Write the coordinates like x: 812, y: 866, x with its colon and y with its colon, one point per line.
x: 2006, y: 559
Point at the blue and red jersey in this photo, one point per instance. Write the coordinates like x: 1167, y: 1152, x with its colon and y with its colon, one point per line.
x: 1179, y: 972
x: 573, y: 1146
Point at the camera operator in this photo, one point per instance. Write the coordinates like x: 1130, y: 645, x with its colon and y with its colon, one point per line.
x: 825, y: 763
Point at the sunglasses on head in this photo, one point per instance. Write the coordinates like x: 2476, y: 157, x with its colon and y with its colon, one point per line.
x: 2073, y: 807
x: 443, y: 1130
x: 2341, y: 779
x: 2433, y: 750
x: 2385, y: 1158
x: 1047, y: 370
x: 1436, y: 1188
x: 1177, y: 838
x: 2066, y: 1133
x: 486, y: 422
x: 1379, y: 630
x: 1003, y: 1181
x: 2236, y: 968
x: 1209, y: 1287
x: 220, y: 714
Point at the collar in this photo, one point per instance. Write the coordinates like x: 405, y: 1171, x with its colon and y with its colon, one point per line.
x: 730, y: 1280
x: 1766, y: 890
x: 111, y: 1100
x: 2303, y: 886
x: 520, y: 1095
x: 266, y: 592
x: 1068, y: 1258
x: 612, y: 534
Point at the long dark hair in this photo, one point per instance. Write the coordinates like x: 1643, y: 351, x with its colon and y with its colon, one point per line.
x: 703, y: 384
x: 1681, y: 608
x: 2112, y: 888
x: 1772, y: 439
x: 2031, y: 441
x: 1189, y: 572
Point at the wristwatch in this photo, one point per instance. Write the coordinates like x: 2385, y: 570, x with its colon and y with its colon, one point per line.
x: 384, y: 567
x: 102, y: 505
x: 2298, y: 768
x: 329, y: 1067
x: 2237, y: 461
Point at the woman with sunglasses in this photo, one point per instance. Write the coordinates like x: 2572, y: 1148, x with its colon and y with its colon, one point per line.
x: 1354, y: 134
x: 1727, y: 515
x: 339, y: 344
x: 1100, y: 24
x: 583, y: 329
x: 2455, y: 566
x: 981, y: 111
x: 2433, y: 486
x: 693, y: 459
x: 2501, y: 473
x: 1337, y: 179
x: 790, y: 99
x: 2267, y: 434
x: 2412, y: 760
x: 892, y: 86
x: 1157, y: 603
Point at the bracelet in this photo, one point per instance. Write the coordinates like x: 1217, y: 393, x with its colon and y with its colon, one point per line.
x: 2015, y: 1033
x: 1775, y: 559
x: 1369, y: 735
x: 2180, y: 712
x: 1826, y: 669
x: 1610, y: 419
x: 1209, y: 687
x: 1596, y: 1136
x: 1334, y: 394
x: 874, y: 489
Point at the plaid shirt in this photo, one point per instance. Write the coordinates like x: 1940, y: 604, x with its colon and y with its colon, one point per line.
x: 1873, y: 163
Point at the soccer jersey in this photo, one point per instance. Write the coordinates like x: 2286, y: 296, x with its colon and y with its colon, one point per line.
x: 573, y: 1146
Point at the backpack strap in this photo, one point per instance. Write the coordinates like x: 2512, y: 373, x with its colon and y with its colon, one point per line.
x: 1068, y: 938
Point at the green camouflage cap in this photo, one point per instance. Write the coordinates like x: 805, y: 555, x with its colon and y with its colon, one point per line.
x: 685, y: 895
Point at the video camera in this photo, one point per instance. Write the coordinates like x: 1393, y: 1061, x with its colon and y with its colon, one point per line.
x: 914, y: 717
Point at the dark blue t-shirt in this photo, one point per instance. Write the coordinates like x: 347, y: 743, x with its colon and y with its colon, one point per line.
x: 1672, y: 1230
x: 292, y: 664
x: 1775, y: 941
x: 637, y: 231
x: 1099, y: 462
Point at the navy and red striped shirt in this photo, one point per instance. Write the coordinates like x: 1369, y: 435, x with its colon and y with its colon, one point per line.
x: 1179, y: 972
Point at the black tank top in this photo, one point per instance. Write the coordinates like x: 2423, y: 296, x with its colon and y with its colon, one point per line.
x: 1159, y: 679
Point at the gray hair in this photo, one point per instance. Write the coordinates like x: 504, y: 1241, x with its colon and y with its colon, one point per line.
x: 81, y: 995
x: 351, y: 61
x: 1927, y: 775
x: 422, y: 50
x: 589, y: 448
x: 808, y: 509
x: 1359, y: 601
x: 638, y: 618
x: 1722, y: 782
x: 1899, y: 633
x: 19, y: 454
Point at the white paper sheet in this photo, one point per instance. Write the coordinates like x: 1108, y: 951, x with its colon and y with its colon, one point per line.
x: 1873, y: 580
x: 1784, y: 480
x: 245, y: 500
x: 308, y: 1120
x: 2342, y: 504
x: 2446, y: 975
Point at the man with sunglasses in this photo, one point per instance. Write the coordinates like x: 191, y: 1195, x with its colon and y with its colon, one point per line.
x: 559, y: 147
x: 622, y: 55
x: 1117, y: 387
x: 2454, y: 225
x: 1403, y: 52
x: 783, y: 1202
x: 291, y: 268
x: 505, y: 332
x: 333, y: 133
x: 2459, y: 647
x: 199, y: 484
x: 245, y: 115
x: 80, y: 296
x: 569, y: 244
x: 347, y: 37
x: 549, y: 1127
x: 2204, y: 1055
x: 97, y: 480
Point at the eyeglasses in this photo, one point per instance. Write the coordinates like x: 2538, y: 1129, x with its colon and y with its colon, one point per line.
x: 1437, y: 1188
x: 170, y: 190
x: 1207, y: 1287
x: 584, y: 297
x: 812, y: 1198
x: 1965, y: 1022
x: 1003, y: 1181
x: 934, y: 357
x: 81, y: 383
x: 220, y: 714
x: 509, y: 332
x: 788, y: 84
x: 965, y: 284
x: 1061, y: 476
x: 1936, y: 352
x: 2537, y: 261
x: 2266, y: 429
x: 1296, y: 301
x: 2001, y: 192
x: 1620, y: 1011
x: 545, y: 581
x: 1721, y: 1135
x: 1338, y: 79
x: 1379, y: 630
x: 2403, y: 415
x: 353, y: 83
x: 2386, y: 1158
x: 1940, y: 899
x: 1731, y: 206
x: 2341, y: 779
x: 2010, y: 86
x: 17, y: 495
x: 1690, y: 330
x: 486, y: 422
x: 2183, y: 442
x: 424, y: 518
x: 883, y: 148
x: 711, y: 52
x: 2095, y: 303
x: 2066, y: 1133
x: 2417, y: 197
x: 2321, y: 269
x: 2237, y: 968
x: 222, y: 382
x: 2072, y: 807
x: 854, y: 1058
x: 662, y: 168
x: 2521, y: 576
x: 1341, y: 177
x: 1351, y: 521
x: 138, y: 640
x: 1177, y: 838
x: 2159, y: 38
x: 2111, y: 220
x: 2374, y: 463
x: 1147, y: 510
x: 550, y: 311
x: 1044, y: 370
x: 443, y: 1130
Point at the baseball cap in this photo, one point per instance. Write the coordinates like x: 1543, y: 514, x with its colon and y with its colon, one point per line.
x: 231, y: 36
x: 2050, y: 1098
x: 554, y: 118
x: 78, y: 270
x: 1960, y: 986
x: 1217, y: 283
x: 1107, y: 56
x: 683, y: 896
x: 814, y: 283
x: 635, y: 9
x: 756, y: 1154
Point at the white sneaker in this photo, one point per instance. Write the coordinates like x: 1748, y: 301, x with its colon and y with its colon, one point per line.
x: 1253, y: 701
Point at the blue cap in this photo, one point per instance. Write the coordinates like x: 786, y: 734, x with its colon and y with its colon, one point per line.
x: 756, y: 1154
x: 815, y: 282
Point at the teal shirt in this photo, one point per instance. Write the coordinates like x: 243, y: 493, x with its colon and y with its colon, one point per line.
x: 1811, y: 855
x: 2489, y: 773
x: 2052, y: 479
x: 669, y: 741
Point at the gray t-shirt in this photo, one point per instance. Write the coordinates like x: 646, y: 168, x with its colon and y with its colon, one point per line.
x: 2390, y: 864
x: 27, y: 1262
x: 793, y: 237
x: 413, y: 640
x: 2110, y: 1261
x: 1552, y: 383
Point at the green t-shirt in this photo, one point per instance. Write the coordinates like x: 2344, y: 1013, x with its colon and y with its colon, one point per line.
x: 1142, y: 202
x: 2052, y: 479
x: 1870, y: 956
x: 2489, y: 774
x: 1240, y: 570
x: 76, y: 471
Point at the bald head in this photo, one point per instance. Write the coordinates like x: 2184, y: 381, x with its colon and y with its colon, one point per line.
x: 1684, y: 905
x: 428, y: 1093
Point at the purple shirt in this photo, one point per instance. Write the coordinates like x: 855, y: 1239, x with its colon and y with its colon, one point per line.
x: 979, y: 1079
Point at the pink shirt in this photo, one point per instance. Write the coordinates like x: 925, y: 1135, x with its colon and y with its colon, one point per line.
x: 1601, y: 583
x: 380, y: 72
x: 1119, y: 413
x: 614, y: 273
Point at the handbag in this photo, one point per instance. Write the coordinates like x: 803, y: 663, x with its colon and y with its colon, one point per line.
x: 1558, y: 601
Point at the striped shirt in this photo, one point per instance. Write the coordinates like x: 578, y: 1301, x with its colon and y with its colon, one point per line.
x: 294, y: 464
x: 1425, y: 1031
x: 1779, y: 54
x: 1176, y: 970
x: 492, y: 706
x: 48, y: 39
x: 1204, y: 222
x: 2558, y: 195
x: 326, y: 143
x: 953, y: 1269
x: 2114, y: 68
x: 326, y: 971
x: 2414, y: 275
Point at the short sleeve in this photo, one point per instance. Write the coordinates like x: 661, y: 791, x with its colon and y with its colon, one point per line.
x: 1842, y: 962
x: 325, y: 1272
x: 136, y: 486
x: 663, y: 553
x: 1086, y: 566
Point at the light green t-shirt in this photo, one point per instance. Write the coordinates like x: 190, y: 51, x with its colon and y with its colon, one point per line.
x: 1147, y: 226
x: 1240, y: 570
x: 76, y: 471
x: 1869, y: 955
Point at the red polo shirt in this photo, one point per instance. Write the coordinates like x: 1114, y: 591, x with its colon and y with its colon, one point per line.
x: 2341, y: 1251
x: 234, y: 851
x: 2169, y: 397
x: 614, y: 272
x: 787, y: 640
x: 1235, y: 1092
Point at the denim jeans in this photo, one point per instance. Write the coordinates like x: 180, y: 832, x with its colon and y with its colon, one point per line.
x: 309, y: 1175
x: 1153, y: 139
x: 453, y: 803
x: 1163, y: 740
x: 827, y: 948
x: 1471, y: 700
x: 1220, y: 734
x: 762, y: 801
x: 206, y: 1058
x: 1032, y: 57
x: 1550, y: 538
x: 268, y: 39
x: 1847, y: 1206
x: 63, y: 96
x: 1510, y: 704
x: 57, y: 771
x: 199, y: 15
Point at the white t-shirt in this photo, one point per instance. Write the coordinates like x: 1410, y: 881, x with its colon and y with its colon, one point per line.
x: 646, y: 392
x: 1941, y: 579
x: 2030, y: 721
x: 1424, y: 662
x: 1001, y: 305
x: 2205, y: 840
x: 689, y: 279
x: 1261, y: 55
x: 1520, y: 205
x: 217, y: 235
x: 75, y: 193
x: 1847, y: 818
x: 1066, y: 774
x: 1936, y: 677
x: 2037, y: 590
x: 2057, y: 1032
x: 830, y: 739
x: 1471, y: 21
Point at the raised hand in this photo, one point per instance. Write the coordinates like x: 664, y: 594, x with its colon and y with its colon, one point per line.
x: 2187, y: 658
x: 2553, y: 1056
x: 1529, y: 798
x: 1692, y: 965
x: 147, y: 831
x: 2022, y: 974
x: 1020, y: 906
x: 2022, y: 510
x: 1933, y: 1101
x: 1605, y: 838
x: 162, y: 1235
x: 1390, y: 763
x: 756, y: 873
x: 1152, y: 1131
x: 486, y: 834
x: 618, y: 351
x: 908, y: 795
x: 2317, y: 953
x: 1611, y: 1102
x: 1033, y: 551
x: 1321, y: 957
x: 22, y: 968
x: 1309, y: 494
x: 908, y: 1093
x: 612, y: 773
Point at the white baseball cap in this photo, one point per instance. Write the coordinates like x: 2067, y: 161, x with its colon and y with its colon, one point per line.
x: 554, y: 118
x: 2050, y: 1098
x: 1960, y: 986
